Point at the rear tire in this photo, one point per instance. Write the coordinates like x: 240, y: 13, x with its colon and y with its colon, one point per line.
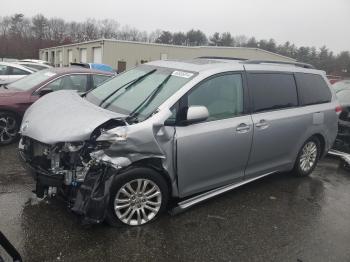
x: 9, y: 128
x: 308, y: 157
x: 138, y: 196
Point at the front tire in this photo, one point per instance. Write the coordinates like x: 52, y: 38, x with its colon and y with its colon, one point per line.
x: 9, y: 127
x: 308, y: 157
x: 138, y: 196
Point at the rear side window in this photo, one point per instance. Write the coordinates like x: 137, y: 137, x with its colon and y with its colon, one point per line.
x: 3, y: 70
x: 17, y: 71
x: 70, y: 82
x: 312, y: 89
x: 272, y: 91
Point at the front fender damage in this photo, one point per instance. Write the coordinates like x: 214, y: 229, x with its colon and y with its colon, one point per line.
x: 143, y: 142
x: 93, y: 195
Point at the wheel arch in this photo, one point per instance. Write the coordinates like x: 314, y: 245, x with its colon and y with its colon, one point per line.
x: 6, y: 110
x: 322, y: 141
x: 155, y: 163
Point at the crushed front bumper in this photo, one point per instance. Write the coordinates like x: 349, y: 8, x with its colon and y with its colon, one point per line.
x: 43, y: 178
x: 89, y: 199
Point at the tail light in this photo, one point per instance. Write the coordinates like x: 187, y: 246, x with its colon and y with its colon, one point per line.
x: 338, y: 110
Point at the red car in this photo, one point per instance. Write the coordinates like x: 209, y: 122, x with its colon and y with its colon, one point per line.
x: 16, y: 97
x: 333, y: 78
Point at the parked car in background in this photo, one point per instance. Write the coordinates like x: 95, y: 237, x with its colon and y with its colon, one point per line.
x: 341, y: 85
x: 16, y: 97
x: 10, y: 72
x: 36, y: 61
x: 342, y: 142
x: 102, y: 67
x: 34, y: 66
x: 184, y: 131
x: 333, y: 78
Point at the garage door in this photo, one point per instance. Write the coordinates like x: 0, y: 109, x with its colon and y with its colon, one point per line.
x: 83, y: 55
x: 70, y: 56
x: 97, y: 55
x: 60, y: 60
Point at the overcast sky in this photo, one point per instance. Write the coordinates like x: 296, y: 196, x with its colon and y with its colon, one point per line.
x: 303, y: 22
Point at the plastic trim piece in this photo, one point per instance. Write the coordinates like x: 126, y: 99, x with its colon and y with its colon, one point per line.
x: 183, y: 205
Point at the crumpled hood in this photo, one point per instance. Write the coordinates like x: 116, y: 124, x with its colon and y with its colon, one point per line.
x: 63, y: 116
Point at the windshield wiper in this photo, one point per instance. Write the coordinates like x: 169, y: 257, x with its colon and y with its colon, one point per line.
x: 5, y: 86
x: 149, y: 99
x: 127, y: 86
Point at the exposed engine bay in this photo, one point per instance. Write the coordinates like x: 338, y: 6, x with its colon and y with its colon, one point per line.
x: 82, y: 170
x: 78, y: 171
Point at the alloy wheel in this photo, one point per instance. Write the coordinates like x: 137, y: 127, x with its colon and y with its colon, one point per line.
x: 137, y: 202
x: 8, y: 129
x: 308, y: 156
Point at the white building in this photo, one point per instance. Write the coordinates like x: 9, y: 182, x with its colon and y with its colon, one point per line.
x: 123, y: 55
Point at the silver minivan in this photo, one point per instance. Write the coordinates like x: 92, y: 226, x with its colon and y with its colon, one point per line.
x: 170, y: 134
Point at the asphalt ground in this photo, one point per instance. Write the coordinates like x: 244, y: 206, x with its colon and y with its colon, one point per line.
x: 279, y: 218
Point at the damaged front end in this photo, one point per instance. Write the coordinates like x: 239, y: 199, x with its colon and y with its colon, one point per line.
x: 81, y: 172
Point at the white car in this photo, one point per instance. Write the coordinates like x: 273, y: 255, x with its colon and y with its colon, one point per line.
x: 10, y: 72
x: 36, y: 61
x: 34, y: 66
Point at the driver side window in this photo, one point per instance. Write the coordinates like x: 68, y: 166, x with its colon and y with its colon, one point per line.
x: 222, y: 95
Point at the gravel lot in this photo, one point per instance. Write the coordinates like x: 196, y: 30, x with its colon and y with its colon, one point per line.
x: 279, y: 218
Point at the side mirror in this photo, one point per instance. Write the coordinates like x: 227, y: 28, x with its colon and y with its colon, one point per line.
x: 44, y: 91
x: 197, y: 114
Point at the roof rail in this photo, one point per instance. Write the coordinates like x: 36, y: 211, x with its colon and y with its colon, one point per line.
x: 221, y: 57
x: 303, y: 65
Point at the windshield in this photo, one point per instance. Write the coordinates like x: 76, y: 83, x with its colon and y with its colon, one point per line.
x: 30, y: 81
x: 139, y: 91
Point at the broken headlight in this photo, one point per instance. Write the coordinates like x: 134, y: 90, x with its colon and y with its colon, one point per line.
x: 116, y: 135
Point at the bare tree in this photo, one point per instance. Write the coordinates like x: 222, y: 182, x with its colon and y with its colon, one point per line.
x: 153, y: 36
x: 108, y: 28
x: 240, y: 40
x: 90, y: 29
x: 22, y: 37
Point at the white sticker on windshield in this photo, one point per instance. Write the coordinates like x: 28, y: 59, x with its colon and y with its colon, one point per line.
x: 50, y: 74
x: 182, y: 74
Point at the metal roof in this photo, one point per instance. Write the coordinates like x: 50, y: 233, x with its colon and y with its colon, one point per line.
x: 102, y: 40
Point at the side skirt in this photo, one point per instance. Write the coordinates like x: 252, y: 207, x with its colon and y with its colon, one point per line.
x: 184, y: 205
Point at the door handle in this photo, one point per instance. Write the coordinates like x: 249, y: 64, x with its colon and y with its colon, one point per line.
x: 262, y: 124
x: 242, y: 128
